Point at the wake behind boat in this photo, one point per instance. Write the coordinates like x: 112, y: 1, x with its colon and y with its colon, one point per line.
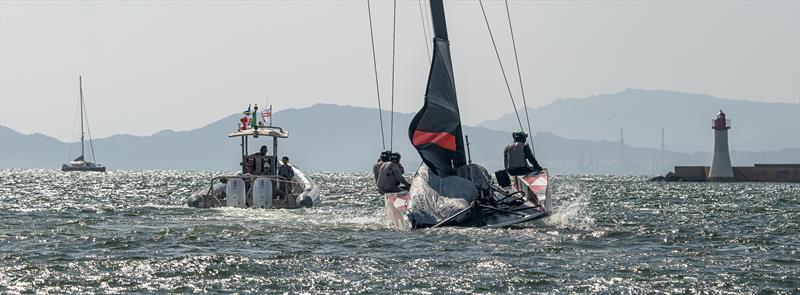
x: 263, y: 182
x: 448, y: 190
x: 80, y: 163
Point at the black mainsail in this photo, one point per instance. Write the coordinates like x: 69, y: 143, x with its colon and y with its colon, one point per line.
x: 435, y: 130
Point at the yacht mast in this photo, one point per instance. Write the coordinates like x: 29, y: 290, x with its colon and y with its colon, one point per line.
x: 437, y: 15
x: 80, y: 83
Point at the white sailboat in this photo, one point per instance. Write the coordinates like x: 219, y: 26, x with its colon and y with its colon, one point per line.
x: 80, y: 163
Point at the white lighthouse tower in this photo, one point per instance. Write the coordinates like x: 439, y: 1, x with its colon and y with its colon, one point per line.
x: 721, y: 166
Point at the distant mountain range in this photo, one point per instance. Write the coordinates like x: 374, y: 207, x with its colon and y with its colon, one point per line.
x: 685, y: 118
x: 344, y: 138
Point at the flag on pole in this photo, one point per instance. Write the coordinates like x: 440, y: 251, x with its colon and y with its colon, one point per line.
x: 266, y: 114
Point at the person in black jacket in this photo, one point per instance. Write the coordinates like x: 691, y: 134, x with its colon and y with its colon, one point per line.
x: 517, y: 155
x: 286, y: 172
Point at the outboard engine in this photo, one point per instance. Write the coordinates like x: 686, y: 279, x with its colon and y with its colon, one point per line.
x: 235, y: 193
x: 262, y: 193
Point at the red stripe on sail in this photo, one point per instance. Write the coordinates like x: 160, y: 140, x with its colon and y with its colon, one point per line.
x: 443, y: 139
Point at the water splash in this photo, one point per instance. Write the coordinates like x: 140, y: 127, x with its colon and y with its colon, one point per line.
x: 572, y: 207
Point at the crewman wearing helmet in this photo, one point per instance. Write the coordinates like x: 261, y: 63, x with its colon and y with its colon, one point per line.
x: 395, y: 158
x: 517, y: 155
x: 390, y: 176
x: 385, y: 157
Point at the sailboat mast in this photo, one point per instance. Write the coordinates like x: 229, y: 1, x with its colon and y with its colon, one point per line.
x: 80, y: 85
x: 437, y: 17
x: 440, y: 33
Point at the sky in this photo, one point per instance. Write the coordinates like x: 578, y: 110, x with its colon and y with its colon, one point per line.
x: 154, y: 65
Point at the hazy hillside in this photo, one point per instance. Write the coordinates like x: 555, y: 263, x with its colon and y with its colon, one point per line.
x: 686, y: 119
x: 330, y: 137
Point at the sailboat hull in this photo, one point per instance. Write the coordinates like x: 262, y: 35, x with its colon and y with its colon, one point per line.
x: 84, y: 168
x: 397, y: 210
x: 424, y: 206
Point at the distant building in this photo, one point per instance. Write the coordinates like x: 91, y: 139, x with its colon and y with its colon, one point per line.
x: 721, y: 170
x: 721, y: 165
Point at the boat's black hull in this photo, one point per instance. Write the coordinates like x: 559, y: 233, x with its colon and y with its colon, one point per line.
x: 83, y: 169
x: 535, y: 203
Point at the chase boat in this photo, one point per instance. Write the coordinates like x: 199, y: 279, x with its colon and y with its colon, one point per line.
x: 258, y: 184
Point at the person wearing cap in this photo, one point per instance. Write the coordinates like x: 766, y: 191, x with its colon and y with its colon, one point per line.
x: 517, y: 155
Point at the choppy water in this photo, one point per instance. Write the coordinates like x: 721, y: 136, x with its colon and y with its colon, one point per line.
x: 129, y: 232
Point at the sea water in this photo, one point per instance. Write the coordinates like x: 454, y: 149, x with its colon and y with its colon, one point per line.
x: 131, y: 232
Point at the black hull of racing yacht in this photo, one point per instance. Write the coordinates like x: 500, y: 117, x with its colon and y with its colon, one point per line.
x: 528, y: 199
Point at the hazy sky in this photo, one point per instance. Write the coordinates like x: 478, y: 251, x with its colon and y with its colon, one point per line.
x: 153, y: 65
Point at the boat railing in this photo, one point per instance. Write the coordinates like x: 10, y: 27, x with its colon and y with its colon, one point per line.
x: 276, y: 178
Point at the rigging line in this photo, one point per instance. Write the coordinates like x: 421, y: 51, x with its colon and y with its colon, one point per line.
x: 424, y: 30
x: 502, y: 69
x: 394, y: 39
x: 375, y: 68
x: 428, y: 19
x: 88, y: 130
x: 519, y: 74
x: 74, y: 134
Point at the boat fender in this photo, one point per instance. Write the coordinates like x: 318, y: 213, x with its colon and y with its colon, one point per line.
x: 305, y: 201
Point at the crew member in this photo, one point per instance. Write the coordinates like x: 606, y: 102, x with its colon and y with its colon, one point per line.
x: 287, y: 173
x: 395, y: 158
x: 390, y: 177
x: 259, y: 158
x: 385, y: 155
x: 517, y: 155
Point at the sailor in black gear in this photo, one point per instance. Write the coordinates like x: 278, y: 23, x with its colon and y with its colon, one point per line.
x: 395, y: 158
x: 517, y: 155
x: 390, y: 177
x: 285, y: 171
x: 262, y: 151
x: 257, y: 163
x: 385, y: 157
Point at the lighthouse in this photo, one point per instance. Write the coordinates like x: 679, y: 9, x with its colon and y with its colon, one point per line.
x: 721, y: 166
